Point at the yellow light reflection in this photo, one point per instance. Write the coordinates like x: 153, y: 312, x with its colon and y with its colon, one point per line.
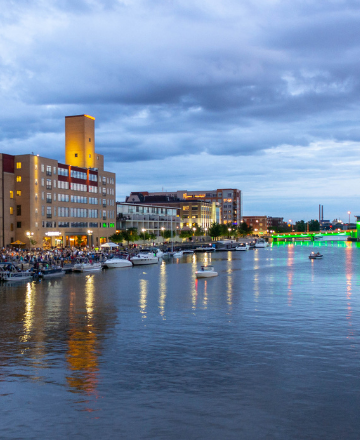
x: 82, y: 354
x: 143, y: 297
x: 29, y: 312
x: 290, y: 264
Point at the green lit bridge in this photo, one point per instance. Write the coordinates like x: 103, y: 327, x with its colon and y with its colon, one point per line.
x: 353, y: 233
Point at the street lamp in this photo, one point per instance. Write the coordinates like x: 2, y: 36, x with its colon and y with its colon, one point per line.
x: 30, y: 234
x: 90, y: 235
x: 229, y: 229
x: 162, y: 230
x: 349, y: 212
x: 143, y: 231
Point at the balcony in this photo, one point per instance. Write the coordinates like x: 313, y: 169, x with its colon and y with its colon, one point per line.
x: 103, y: 182
x: 48, y: 186
x: 48, y: 173
x: 104, y: 217
x: 104, y: 205
x: 48, y: 200
x: 48, y: 215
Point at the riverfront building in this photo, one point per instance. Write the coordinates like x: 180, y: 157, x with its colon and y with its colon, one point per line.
x: 228, y: 201
x: 151, y: 218
x: 49, y: 203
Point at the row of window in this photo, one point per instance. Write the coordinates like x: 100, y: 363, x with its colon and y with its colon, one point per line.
x: 72, y: 212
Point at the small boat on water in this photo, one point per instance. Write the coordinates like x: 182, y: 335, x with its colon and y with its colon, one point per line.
x: 86, y: 265
x: 117, y: 262
x: 188, y: 251
x: 204, y: 249
x: 9, y: 272
x: 178, y: 254
x: 315, y: 256
x: 51, y: 272
x: 142, y: 258
x: 242, y: 247
x: 261, y: 243
x: 206, y: 272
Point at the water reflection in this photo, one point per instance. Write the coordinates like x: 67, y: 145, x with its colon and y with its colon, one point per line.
x: 162, y: 289
x: 290, y: 263
x: 349, y: 273
x: 83, y: 346
x: 143, y: 297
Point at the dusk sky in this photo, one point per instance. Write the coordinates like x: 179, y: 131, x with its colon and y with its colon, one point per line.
x: 260, y: 95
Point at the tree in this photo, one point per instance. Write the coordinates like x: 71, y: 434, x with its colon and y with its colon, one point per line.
x: 314, y: 226
x: 79, y: 240
x: 130, y: 234
x: 215, y: 230
x: 199, y: 231
x: 300, y: 226
x: 185, y: 233
x: 118, y: 237
x: 33, y: 242
x: 244, y: 229
x: 166, y: 233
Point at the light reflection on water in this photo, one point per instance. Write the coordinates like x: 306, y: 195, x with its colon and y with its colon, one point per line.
x: 268, y: 349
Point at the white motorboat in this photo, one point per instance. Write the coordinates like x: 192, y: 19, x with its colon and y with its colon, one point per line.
x: 315, y: 256
x: 178, y: 254
x: 205, y: 249
x: 331, y: 237
x: 155, y: 251
x: 206, y: 272
x: 187, y: 251
x: 142, y: 258
x: 242, y: 247
x: 116, y: 262
x: 261, y: 243
x: 86, y: 266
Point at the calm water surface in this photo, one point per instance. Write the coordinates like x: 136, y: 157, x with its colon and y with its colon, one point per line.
x: 267, y: 350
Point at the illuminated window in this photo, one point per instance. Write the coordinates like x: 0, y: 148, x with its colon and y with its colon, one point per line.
x: 18, y: 193
x: 18, y: 165
x: 18, y: 178
x: 11, y: 194
x: 11, y: 210
x: 11, y: 226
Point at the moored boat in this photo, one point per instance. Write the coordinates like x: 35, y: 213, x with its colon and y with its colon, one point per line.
x: 142, y: 259
x: 261, y: 243
x: 242, y: 247
x: 117, y: 262
x: 51, y: 272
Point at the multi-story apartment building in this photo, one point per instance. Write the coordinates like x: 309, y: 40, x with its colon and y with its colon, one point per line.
x: 154, y: 219
x: 257, y: 222
x: 228, y: 199
x: 58, y: 204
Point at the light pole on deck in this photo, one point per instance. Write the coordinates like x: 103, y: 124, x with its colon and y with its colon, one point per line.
x: 349, y: 212
x: 30, y: 235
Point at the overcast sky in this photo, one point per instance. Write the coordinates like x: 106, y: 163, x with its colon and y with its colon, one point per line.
x: 260, y: 95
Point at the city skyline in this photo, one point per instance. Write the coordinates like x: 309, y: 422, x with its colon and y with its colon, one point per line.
x: 260, y: 96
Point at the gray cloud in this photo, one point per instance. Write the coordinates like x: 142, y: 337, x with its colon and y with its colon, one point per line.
x: 175, y: 80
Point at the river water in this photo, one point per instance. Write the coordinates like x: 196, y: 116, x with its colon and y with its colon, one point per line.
x: 269, y: 349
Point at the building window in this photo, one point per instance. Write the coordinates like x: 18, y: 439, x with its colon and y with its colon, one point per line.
x: 89, y: 156
x: 42, y: 167
x: 48, y: 170
x: 18, y: 209
x: 54, y: 170
x: 76, y: 155
x: 89, y: 139
x: 11, y: 210
x: 18, y: 225
x: 36, y: 166
x: 18, y: 193
x: 18, y: 178
x: 43, y: 195
x: 42, y: 182
x: 36, y: 224
x: 11, y: 226
x: 11, y: 194
x: 18, y: 165
x: 48, y: 184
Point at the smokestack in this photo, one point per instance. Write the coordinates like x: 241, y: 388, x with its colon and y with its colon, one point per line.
x: 322, y: 212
